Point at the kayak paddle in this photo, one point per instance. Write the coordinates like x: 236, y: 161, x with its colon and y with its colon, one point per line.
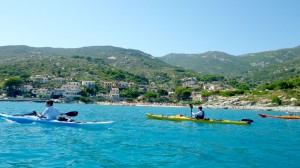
x: 71, y: 113
x: 191, y: 106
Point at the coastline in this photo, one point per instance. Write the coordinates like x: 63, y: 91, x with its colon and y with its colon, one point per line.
x: 293, y: 109
x: 250, y: 107
x: 210, y: 105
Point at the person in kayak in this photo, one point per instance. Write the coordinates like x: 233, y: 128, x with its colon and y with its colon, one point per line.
x: 199, y: 114
x: 51, y: 113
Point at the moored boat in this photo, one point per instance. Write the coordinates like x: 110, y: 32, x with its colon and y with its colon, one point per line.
x: 184, y: 118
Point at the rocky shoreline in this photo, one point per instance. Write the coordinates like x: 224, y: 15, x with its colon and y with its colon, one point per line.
x: 258, y: 108
x: 242, y: 103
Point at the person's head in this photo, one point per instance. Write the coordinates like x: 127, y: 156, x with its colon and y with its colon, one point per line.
x: 200, y: 108
x: 49, y: 103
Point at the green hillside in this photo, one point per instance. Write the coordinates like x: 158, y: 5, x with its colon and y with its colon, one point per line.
x: 89, y: 63
x: 208, y: 63
x: 256, y: 67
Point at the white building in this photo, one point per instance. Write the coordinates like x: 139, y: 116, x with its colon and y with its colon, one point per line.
x: 74, y: 83
x: 211, y: 87
x: 89, y: 84
x: 27, y: 88
x: 39, y: 78
x: 114, y: 94
x: 71, y: 93
x: 59, y: 80
x: 41, y: 92
x: 71, y: 89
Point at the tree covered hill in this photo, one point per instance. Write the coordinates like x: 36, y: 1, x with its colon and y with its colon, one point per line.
x: 211, y: 62
x: 88, y: 63
x: 263, y: 66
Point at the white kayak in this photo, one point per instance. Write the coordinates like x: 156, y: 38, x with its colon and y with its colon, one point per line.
x: 35, y: 119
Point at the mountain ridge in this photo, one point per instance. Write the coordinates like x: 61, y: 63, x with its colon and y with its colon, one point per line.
x: 235, y: 66
x: 256, y: 67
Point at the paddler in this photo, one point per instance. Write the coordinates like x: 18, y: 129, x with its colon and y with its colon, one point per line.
x: 51, y: 113
x: 199, y: 114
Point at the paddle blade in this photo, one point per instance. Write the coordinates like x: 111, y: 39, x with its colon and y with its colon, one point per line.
x: 248, y: 120
x: 191, y: 106
x: 263, y: 115
x: 72, y: 113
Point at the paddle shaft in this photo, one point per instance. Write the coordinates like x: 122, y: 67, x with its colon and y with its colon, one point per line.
x: 191, y: 106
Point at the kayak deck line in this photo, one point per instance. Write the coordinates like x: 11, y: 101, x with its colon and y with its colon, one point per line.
x: 282, y: 117
x: 207, y: 120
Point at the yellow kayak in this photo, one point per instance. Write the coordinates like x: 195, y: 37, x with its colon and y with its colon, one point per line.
x: 184, y: 118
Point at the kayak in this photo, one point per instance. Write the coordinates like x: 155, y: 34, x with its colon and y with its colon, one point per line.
x: 283, y: 117
x: 35, y: 119
x: 184, y: 118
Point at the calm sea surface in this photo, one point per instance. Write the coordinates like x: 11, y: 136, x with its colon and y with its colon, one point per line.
x: 135, y: 141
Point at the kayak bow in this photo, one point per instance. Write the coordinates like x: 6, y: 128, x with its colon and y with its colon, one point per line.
x: 184, y: 118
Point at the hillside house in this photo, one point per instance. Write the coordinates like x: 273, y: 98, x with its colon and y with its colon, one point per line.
x: 74, y: 83
x: 59, y: 80
x: 40, y: 92
x: 211, y: 87
x: 122, y: 85
x: 107, y: 85
x: 70, y: 87
x: 190, y: 84
x: 197, y: 96
x: 89, y: 84
x: 114, y: 94
x: 27, y: 88
x: 39, y: 78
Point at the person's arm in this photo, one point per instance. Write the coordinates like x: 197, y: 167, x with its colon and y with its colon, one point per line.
x: 42, y: 115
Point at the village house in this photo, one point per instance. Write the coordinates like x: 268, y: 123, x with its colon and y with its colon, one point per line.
x: 71, y: 86
x: 89, y: 84
x: 27, y: 88
x: 59, y: 80
x: 74, y: 83
x: 107, y: 85
x: 114, y: 94
x: 71, y: 89
x: 197, y: 96
x: 122, y: 85
x: 40, y: 79
x: 211, y: 87
x: 57, y: 92
x: 190, y: 84
x: 40, y: 92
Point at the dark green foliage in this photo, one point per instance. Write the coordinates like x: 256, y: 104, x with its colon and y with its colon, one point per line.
x: 282, y: 85
x: 182, y: 93
x: 211, y: 78
x: 150, y: 96
x: 13, y: 86
x: 231, y: 93
x: 162, y: 92
x: 277, y: 100
x: 130, y: 93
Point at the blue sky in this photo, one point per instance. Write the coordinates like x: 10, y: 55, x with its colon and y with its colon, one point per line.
x: 157, y: 27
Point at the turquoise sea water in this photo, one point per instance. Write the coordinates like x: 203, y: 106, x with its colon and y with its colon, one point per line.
x: 135, y: 141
